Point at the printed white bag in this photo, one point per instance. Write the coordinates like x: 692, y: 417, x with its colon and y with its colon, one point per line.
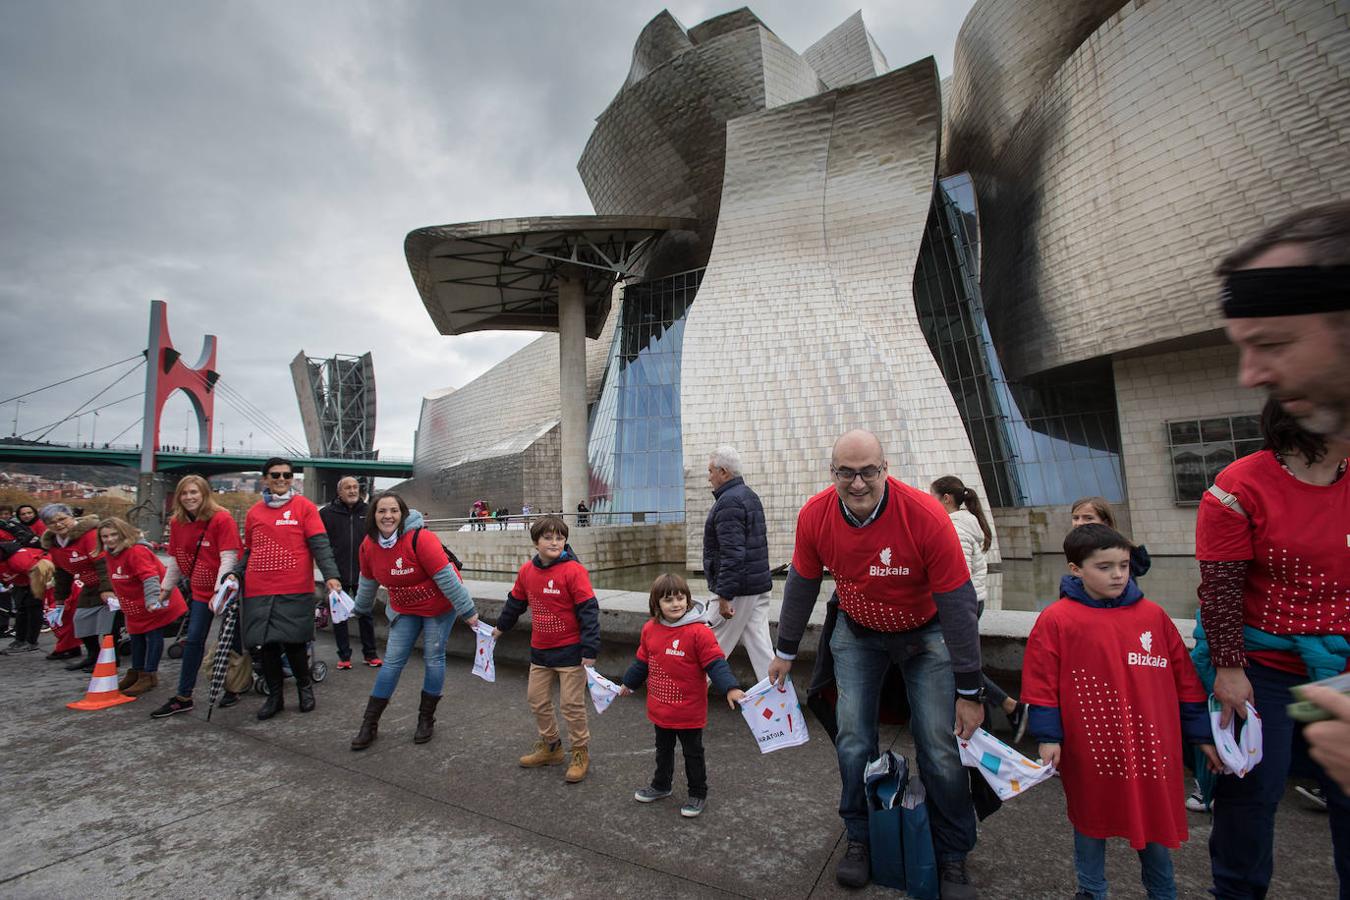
x: 222, y: 595
x: 602, y: 690
x: 774, y: 716
x: 486, y: 644
x: 54, y: 616
x: 340, y: 605
x: 1240, y: 753
x: 1008, y: 772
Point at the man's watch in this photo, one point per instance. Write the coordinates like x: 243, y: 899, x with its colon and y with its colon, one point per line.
x: 977, y: 697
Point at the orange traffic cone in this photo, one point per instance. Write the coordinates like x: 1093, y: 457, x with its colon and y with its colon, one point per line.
x: 103, y: 690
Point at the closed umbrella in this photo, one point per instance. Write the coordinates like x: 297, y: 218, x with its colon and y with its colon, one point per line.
x: 220, y: 664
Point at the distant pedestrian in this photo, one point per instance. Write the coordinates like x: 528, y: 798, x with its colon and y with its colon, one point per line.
x: 344, y: 519
x: 736, y: 562
x: 583, y: 514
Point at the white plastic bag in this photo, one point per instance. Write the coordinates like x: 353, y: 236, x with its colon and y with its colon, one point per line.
x: 1240, y: 752
x: 1008, y: 772
x: 774, y: 716
x: 113, y: 603
x: 602, y: 690
x: 54, y: 616
x: 483, y: 665
x: 340, y: 605
x: 227, y: 589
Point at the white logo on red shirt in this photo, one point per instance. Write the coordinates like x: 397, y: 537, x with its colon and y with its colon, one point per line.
x: 286, y: 519
x: 1146, y: 641
x: 550, y: 589
x: 1146, y: 658
x: 398, y: 568
x: 886, y: 568
x: 118, y: 573
x: 673, y: 649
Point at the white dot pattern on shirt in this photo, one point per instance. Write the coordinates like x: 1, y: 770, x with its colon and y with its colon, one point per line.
x: 871, y: 613
x: 544, y: 620
x: 661, y: 686
x: 266, y: 555
x: 1120, y: 742
x: 1301, y: 600
x: 413, y: 595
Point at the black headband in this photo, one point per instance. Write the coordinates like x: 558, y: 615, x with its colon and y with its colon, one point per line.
x: 1289, y: 291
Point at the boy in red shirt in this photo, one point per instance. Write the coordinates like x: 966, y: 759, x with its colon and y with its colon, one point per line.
x: 564, y: 639
x: 1112, y: 688
x: 676, y: 653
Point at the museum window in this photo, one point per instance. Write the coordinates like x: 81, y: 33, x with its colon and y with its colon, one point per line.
x: 1201, y: 448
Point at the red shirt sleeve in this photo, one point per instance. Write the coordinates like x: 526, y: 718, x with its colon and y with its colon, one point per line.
x: 942, y: 553
x: 313, y: 521
x: 363, y: 555
x: 518, y: 590
x: 580, y: 585
x: 224, y: 532
x: 1221, y: 533
x: 642, y: 643
x: 1189, y: 688
x: 805, y: 551
x: 430, y: 553
x: 1040, y: 664
x: 250, y: 521
x: 708, y: 649
x: 142, y: 562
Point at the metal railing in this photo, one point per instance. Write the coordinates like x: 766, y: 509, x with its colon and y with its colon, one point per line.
x: 519, y: 522
x: 210, y: 451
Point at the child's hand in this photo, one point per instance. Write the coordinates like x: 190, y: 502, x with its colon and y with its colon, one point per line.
x: 472, y: 622
x: 588, y: 663
x: 1215, y: 764
x: 496, y: 633
x: 1050, y: 754
x: 734, y: 696
x: 624, y: 691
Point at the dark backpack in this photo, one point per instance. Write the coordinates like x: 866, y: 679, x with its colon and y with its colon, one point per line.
x: 454, y: 560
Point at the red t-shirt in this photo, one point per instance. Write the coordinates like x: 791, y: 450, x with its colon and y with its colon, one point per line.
x: 38, y: 527
x: 78, y: 556
x: 275, y: 539
x: 1118, y: 677
x: 886, y: 572
x: 217, y: 535
x: 553, y: 595
x: 677, y: 686
x: 1297, y: 537
x: 406, y: 573
x: 18, y: 565
x: 127, y: 571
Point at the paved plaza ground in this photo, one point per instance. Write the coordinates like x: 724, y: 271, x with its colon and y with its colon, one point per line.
x: 114, y: 804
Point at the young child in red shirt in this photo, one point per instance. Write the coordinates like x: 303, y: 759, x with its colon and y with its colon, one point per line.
x: 1112, y: 689
x: 676, y: 653
x: 564, y: 639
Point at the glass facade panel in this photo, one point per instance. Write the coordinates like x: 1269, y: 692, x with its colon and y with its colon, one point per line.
x: 1045, y: 440
x: 634, y: 453
x: 1205, y: 447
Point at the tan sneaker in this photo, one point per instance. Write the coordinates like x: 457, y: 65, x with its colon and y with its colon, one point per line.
x: 579, y: 766
x: 129, y: 677
x: 147, y: 682
x: 543, y: 754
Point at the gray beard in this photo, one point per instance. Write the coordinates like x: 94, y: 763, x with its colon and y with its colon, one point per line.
x: 1328, y: 421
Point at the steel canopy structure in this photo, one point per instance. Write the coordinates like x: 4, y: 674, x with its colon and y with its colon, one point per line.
x: 505, y: 274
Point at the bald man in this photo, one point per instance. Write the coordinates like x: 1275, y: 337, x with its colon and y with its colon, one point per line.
x: 905, y: 597
x: 345, y: 521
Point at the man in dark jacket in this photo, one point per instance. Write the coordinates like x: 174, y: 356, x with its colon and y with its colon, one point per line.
x: 736, y: 562
x: 345, y: 521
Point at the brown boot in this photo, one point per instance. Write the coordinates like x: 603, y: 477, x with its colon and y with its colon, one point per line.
x: 370, y: 723
x: 129, y: 677
x: 579, y: 766
x: 147, y: 682
x: 543, y: 754
x: 426, y: 718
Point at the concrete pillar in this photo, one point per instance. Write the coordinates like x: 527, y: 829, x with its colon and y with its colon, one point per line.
x: 314, y: 485
x: 152, y: 491
x: 572, y: 389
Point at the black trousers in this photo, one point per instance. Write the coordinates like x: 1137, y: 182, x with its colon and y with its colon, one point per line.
x: 271, y: 664
x: 366, y: 625
x: 27, y: 614
x: 691, y: 740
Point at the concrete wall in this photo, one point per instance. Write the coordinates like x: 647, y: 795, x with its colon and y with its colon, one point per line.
x: 1150, y: 390
x: 598, y: 548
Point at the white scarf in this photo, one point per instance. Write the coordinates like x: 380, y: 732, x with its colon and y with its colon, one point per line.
x: 388, y: 543
x: 276, y: 501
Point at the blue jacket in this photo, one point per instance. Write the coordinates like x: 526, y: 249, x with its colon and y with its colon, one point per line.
x: 736, y: 543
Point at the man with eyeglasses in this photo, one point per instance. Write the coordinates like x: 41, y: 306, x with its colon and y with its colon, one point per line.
x: 905, y: 597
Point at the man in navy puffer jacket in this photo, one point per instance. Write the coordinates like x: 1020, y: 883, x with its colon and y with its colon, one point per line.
x: 736, y: 562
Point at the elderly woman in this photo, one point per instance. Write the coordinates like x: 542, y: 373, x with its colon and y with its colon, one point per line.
x: 284, y: 539
x: 203, y: 549
x: 147, y: 602
x: 426, y: 594
x: 72, y: 545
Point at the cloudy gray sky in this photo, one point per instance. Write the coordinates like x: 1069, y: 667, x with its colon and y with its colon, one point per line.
x: 257, y: 165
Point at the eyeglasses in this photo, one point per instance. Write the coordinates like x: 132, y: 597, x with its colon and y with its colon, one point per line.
x: 846, y: 476
x: 286, y: 475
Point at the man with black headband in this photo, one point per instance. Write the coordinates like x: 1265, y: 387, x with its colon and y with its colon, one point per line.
x: 1273, y: 533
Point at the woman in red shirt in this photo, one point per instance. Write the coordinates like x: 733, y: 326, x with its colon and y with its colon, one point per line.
x: 203, y: 548
x: 284, y: 539
x: 72, y: 544
x: 425, y: 594
x: 147, y: 603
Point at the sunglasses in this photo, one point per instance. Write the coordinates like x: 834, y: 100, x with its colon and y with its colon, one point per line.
x: 286, y: 475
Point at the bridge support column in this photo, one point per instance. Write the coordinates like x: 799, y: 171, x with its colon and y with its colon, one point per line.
x: 320, y: 484
x: 150, y: 513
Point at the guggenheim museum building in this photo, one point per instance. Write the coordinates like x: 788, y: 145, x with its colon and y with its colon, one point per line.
x: 1006, y: 274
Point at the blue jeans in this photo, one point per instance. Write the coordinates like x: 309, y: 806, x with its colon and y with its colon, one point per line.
x: 402, y: 635
x: 1155, y: 868
x: 146, y: 650
x: 194, y: 645
x: 861, y: 658
x: 1242, y: 842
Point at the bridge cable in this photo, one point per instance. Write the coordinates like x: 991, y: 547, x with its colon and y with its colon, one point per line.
x: 255, y: 416
x: 139, y: 356
x: 125, y: 430
x: 79, y: 410
x: 87, y: 411
x: 290, y: 440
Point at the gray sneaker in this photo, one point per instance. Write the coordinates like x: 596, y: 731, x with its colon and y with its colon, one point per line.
x: 25, y: 648
x: 17, y: 645
x: 693, y: 807
x: 649, y: 794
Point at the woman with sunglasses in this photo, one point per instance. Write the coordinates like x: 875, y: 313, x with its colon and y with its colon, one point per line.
x: 284, y: 539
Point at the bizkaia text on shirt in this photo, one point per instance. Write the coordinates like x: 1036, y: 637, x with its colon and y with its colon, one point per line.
x: 398, y: 568
x: 674, y: 648
x: 886, y: 568
x: 1146, y: 658
x: 287, y: 520
x: 118, y: 576
x: 551, y: 589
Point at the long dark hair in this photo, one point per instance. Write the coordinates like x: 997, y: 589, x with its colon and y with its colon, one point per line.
x: 1284, y: 435
x: 373, y: 530
x: 964, y: 496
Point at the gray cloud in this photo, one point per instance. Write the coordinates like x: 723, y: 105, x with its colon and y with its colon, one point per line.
x: 258, y: 164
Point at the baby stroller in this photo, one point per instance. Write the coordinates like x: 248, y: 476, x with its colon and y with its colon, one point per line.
x: 318, y: 669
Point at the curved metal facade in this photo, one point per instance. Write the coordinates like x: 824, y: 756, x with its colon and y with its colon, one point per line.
x: 805, y: 323
x: 1113, y: 173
